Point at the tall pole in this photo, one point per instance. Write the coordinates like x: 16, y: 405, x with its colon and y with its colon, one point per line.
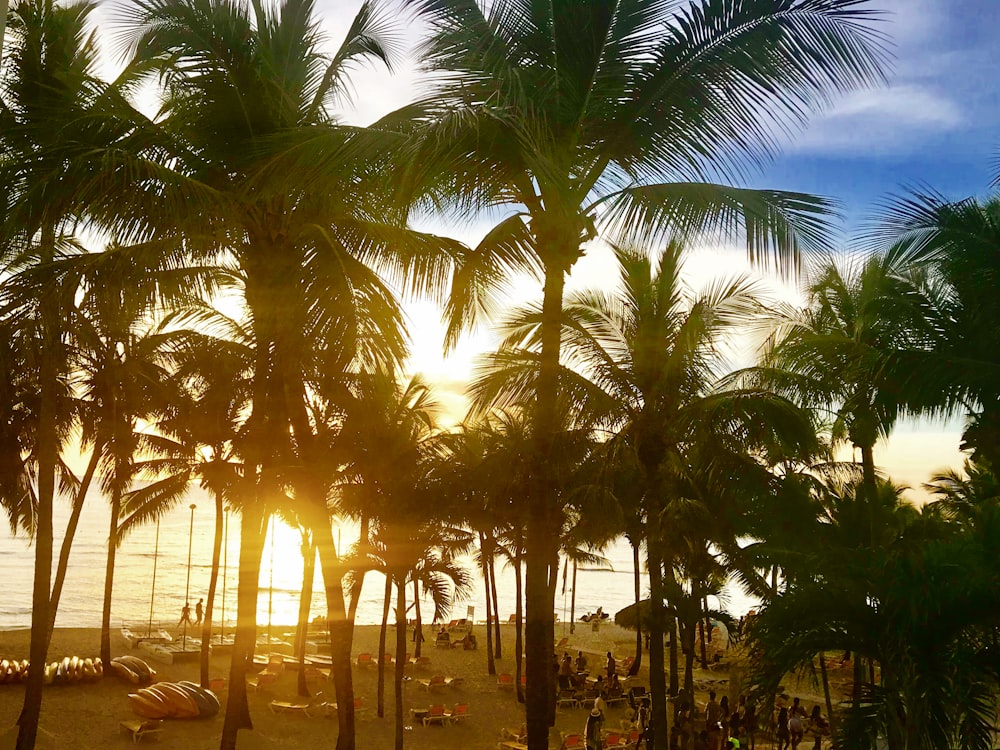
x: 152, y: 588
x: 187, y: 586
x: 270, y: 587
x: 225, y: 559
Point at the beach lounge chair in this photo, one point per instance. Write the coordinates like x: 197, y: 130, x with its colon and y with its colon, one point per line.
x: 562, y: 643
x: 453, y: 681
x: 567, y: 699
x: 505, y: 681
x: 137, y: 728
x: 436, y: 715
x: 420, y: 661
x: 611, y: 739
x: 571, y: 741
x: 436, y: 681
x: 460, y: 711
x: 365, y: 660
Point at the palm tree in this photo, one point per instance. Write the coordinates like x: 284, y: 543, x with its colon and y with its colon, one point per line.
x: 954, y: 243
x: 613, y: 115
x: 301, y: 247
x: 196, y: 438
x: 647, y: 360
x: 48, y: 86
x: 123, y: 382
x: 898, y: 596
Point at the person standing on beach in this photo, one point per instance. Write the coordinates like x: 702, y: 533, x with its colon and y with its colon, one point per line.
x: 199, y: 612
x: 712, y: 726
x: 581, y: 662
x: 185, y: 614
x: 592, y: 732
x: 611, y: 666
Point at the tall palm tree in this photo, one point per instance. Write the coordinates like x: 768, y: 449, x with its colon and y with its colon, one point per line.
x: 616, y: 115
x: 301, y: 247
x: 645, y: 362
x: 48, y: 86
x: 954, y: 242
x: 196, y: 438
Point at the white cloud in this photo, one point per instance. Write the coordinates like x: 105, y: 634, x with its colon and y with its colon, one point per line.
x: 887, y: 121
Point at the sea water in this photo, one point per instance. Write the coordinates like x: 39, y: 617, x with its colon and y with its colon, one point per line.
x: 138, y: 599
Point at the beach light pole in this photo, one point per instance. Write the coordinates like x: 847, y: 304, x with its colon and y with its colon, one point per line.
x: 152, y: 588
x: 225, y: 565
x: 187, y: 586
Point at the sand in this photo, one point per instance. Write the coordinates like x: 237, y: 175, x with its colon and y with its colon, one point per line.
x: 88, y: 716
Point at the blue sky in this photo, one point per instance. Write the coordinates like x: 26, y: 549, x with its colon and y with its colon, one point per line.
x: 936, y: 123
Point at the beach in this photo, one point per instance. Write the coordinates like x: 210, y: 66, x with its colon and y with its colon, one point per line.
x: 88, y: 715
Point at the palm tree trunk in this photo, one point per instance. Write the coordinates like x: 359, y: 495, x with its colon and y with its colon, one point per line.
x: 352, y: 607
x: 498, y: 653
x: 491, y: 666
x: 637, y: 583
x: 341, y: 632
x: 305, y: 605
x: 48, y: 453
x: 675, y: 670
x: 109, y: 574
x: 657, y: 677
x: 74, y: 521
x: 213, y: 583
x: 418, y: 633
x: 688, y: 634
x: 400, y: 659
x: 518, y: 617
x: 572, y: 603
x: 252, y: 529
x: 386, y: 604
x: 826, y: 691
x: 703, y: 651
x: 551, y: 633
x: 542, y: 539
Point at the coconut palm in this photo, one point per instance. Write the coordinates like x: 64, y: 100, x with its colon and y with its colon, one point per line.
x: 891, y: 584
x: 616, y: 115
x: 646, y: 362
x: 196, y: 439
x: 955, y: 243
x: 300, y: 248
x: 47, y: 84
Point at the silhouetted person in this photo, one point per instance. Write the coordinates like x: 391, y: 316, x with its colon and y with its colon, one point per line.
x: 199, y: 612
x: 185, y: 615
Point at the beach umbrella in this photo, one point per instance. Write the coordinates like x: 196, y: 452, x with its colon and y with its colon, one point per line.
x: 634, y: 615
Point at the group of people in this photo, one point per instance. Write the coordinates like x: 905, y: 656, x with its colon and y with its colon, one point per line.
x: 199, y: 613
x: 793, y: 725
x: 724, y: 726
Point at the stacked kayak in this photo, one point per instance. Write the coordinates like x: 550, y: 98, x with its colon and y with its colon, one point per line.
x: 132, y: 669
x: 70, y: 670
x: 174, y: 700
x: 13, y: 671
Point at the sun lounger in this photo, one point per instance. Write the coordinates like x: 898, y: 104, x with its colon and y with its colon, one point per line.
x: 459, y: 712
x: 571, y: 741
x: 365, y: 660
x: 567, y: 700
x: 436, y: 681
x: 137, y: 729
x: 505, y: 681
x: 420, y: 661
x: 436, y: 715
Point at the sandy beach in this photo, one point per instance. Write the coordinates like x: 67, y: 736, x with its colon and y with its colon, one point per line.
x: 88, y: 715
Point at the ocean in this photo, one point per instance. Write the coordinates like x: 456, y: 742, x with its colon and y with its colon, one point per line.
x: 137, y: 600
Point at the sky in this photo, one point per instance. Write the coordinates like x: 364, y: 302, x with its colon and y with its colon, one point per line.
x: 933, y: 124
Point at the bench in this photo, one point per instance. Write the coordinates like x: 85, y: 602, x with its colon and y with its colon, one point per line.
x: 139, y: 729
